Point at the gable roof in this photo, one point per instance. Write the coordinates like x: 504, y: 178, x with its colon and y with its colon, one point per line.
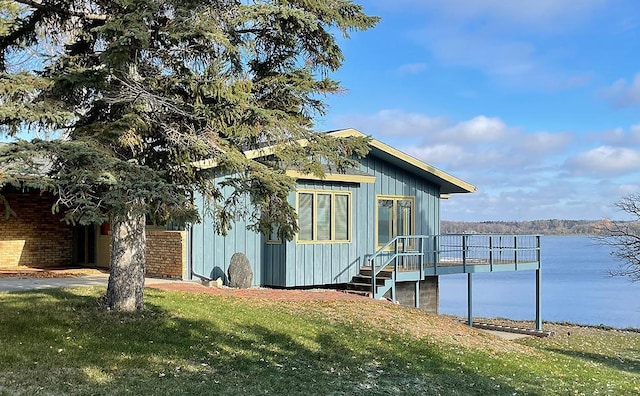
x: 448, y: 184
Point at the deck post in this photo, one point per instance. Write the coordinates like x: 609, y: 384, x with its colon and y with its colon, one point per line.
x: 393, y: 286
x: 538, y: 287
x: 538, y: 305
x: 470, y: 299
x: 417, y: 291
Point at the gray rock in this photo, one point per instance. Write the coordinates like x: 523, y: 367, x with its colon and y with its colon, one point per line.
x: 240, y: 274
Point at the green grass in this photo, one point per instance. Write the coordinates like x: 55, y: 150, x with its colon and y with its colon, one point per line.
x: 63, y: 342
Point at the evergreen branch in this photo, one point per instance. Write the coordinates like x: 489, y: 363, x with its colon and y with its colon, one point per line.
x: 26, y: 28
x: 45, y: 7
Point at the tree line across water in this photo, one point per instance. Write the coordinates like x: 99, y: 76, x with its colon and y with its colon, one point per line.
x: 546, y: 227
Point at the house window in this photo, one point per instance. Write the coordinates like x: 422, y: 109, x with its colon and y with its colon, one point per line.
x: 273, y: 237
x: 395, y: 216
x: 324, y: 216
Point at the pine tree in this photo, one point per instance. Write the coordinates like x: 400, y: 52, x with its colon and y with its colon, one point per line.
x: 140, y: 90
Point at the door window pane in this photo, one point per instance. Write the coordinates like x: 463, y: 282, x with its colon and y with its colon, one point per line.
x: 404, y: 217
x: 395, y: 217
x: 385, y: 220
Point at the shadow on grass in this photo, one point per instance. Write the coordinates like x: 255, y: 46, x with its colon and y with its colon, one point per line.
x: 630, y: 365
x: 202, y: 345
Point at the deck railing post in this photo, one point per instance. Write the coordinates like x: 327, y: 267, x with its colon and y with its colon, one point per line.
x: 491, y: 253
x: 421, y: 257
x: 395, y: 250
x: 464, y: 253
x: 515, y: 251
x: 436, y: 257
x: 373, y: 278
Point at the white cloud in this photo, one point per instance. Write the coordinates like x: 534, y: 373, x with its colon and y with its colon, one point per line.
x: 497, y: 55
x: 393, y: 122
x: 534, y: 14
x: 502, y: 38
x: 478, y: 129
x: 622, y: 137
x: 412, y: 68
x: 519, y: 174
x: 542, y: 142
x: 627, y: 189
x: 509, y: 57
x: 605, y: 160
x: 438, y: 153
x: 622, y: 93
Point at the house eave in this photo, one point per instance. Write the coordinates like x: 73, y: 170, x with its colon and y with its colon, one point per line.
x: 336, y: 177
x: 449, y: 184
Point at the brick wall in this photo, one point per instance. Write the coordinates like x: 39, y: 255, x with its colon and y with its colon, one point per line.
x: 166, y: 253
x: 36, y: 237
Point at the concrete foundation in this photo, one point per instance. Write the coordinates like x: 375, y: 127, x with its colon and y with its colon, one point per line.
x: 428, y: 295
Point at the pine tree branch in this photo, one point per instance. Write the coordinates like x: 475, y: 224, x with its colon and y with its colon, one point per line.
x: 44, y: 7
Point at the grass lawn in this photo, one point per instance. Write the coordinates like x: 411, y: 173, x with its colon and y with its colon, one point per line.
x: 63, y: 342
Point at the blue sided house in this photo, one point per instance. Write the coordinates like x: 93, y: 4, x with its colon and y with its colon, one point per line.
x: 373, y: 230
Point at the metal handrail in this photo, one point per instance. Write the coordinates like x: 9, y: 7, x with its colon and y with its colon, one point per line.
x: 497, y: 249
x: 385, y: 249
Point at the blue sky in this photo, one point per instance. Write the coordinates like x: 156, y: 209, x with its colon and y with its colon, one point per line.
x: 537, y: 103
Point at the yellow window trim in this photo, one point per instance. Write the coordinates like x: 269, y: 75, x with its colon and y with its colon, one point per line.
x: 333, y: 194
x: 339, y: 177
x: 394, y: 222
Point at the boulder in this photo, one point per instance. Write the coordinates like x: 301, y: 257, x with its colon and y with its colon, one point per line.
x: 240, y: 274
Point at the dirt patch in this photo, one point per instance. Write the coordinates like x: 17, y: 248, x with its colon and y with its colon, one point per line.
x: 28, y: 272
x: 261, y: 293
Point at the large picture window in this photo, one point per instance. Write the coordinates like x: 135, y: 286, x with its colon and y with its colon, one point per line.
x: 395, y: 216
x: 324, y: 216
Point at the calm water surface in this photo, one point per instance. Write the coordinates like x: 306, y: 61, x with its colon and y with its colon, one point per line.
x: 575, y: 288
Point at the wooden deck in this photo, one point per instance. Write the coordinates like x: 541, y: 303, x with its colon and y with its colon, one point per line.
x: 455, y: 254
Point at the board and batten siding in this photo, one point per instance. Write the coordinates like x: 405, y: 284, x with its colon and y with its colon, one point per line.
x: 292, y: 264
x: 295, y: 264
x: 211, y: 252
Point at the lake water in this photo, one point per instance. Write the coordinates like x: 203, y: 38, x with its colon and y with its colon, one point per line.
x: 575, y: 288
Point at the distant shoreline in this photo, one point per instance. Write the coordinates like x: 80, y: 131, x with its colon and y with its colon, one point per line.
x: 544, y: 227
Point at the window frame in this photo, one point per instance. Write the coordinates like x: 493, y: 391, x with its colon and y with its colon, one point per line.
x: 333, y: 212
x: 394, y: 211
x: 273, y: 238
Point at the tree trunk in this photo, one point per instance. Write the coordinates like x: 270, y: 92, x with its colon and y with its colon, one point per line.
x: 125, y: 291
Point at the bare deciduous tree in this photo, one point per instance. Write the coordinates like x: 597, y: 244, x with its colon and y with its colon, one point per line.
x: 623, y: 237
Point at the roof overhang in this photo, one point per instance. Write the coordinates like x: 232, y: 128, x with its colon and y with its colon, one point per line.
x: 337, y: 177
x: 449, y: 184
